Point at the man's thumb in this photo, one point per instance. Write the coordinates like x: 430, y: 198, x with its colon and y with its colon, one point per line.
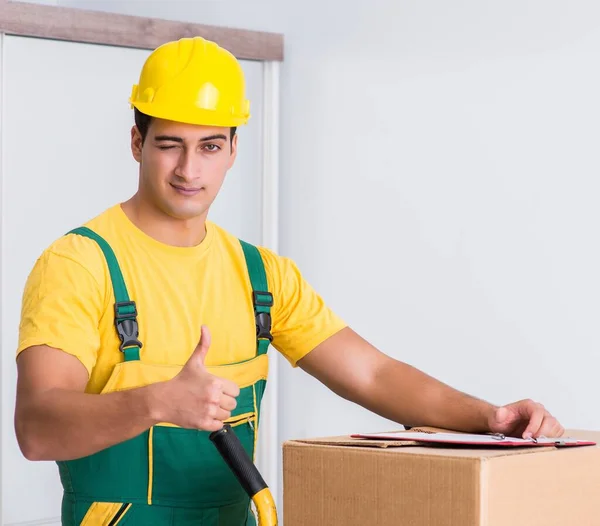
x: 201, y: 350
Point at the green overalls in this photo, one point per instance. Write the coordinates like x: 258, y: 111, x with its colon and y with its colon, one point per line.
x: 169, y: 475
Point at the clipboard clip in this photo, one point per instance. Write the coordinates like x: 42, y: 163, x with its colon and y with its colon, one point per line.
x: 498, y: 436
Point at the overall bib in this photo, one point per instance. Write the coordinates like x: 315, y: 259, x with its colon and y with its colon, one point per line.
x: 169, y: 475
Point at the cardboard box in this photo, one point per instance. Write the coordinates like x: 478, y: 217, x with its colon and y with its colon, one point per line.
x: 336, y: 482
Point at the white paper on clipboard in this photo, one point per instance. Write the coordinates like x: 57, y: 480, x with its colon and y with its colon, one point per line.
x: 492, y: 440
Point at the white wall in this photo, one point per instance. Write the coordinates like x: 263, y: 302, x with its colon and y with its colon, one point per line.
x: 439, y: 187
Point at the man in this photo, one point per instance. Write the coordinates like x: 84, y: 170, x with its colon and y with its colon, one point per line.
x: 169, y: 318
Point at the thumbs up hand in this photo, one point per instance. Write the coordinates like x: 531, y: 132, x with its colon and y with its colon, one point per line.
x: 195, y: 398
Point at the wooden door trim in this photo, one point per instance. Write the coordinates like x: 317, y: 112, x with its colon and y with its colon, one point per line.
x: 97, y: 27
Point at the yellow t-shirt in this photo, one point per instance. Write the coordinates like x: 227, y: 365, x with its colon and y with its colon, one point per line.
x: 68, y: 301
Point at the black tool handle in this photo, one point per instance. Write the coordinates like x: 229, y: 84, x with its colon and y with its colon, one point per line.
x: 234, y: 454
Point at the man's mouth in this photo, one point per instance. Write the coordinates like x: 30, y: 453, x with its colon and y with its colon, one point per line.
x: 186, y: 190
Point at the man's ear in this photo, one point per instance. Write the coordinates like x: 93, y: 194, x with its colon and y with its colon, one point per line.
x: 136, y: 144
x: 234, y: 144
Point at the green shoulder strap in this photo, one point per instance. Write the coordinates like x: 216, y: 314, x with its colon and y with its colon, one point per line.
x: 262, y: 299
x: 125, y: 309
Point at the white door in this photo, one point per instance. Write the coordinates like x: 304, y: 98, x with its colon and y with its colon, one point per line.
x: 65, y: 158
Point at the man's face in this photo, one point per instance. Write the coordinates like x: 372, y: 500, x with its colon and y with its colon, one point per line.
x: 182, y: 166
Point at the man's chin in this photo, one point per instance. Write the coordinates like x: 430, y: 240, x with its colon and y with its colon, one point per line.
x: 186, y: 213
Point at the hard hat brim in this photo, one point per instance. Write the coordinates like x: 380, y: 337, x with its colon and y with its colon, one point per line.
x: 197, y: 116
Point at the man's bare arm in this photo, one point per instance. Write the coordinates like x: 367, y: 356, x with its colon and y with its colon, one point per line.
x: 357, y: 371
x: 56, y: 420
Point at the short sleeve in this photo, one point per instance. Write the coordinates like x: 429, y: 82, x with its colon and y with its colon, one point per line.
x: 301, y: 318
x: 61, y: 307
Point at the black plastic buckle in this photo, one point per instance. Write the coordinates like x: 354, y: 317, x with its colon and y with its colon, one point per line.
x: 258, y: 298
x: 127, y: 325
x: 119, y: 304
x: 263, y: 326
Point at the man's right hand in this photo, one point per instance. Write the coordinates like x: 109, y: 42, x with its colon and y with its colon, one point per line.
x: 196, y: 399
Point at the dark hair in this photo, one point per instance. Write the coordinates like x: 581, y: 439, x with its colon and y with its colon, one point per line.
x: 142, y: 121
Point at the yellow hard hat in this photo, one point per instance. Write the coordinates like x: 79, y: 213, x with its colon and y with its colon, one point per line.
x: 195, y: 81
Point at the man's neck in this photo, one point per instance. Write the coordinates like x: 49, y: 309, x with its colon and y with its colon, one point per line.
x: 162, y: 227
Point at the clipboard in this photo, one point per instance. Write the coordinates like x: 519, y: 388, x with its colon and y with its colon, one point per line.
x: 490, y: 440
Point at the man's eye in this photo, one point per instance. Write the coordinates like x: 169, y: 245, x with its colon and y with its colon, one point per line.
x: 166, y: 147
x: 211, y: 147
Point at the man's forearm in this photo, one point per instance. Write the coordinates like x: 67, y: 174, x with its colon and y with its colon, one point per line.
x: 406, y: 395
x: 59, y: 424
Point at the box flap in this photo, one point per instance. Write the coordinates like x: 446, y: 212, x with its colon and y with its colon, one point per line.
x: 353, y: 442
x: 346, y: 440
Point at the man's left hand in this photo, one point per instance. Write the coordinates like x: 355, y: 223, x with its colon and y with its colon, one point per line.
x: 525, y: 418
